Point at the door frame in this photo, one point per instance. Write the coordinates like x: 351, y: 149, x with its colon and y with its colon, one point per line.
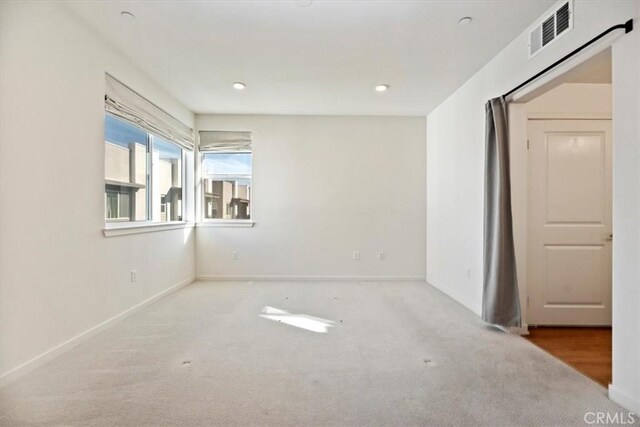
x: 518, y: 135
x: 518, y: 117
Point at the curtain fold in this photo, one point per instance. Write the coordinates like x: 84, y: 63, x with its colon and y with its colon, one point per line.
x: 500, y: 298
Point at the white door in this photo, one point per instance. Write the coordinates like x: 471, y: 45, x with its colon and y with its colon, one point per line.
x: 569, y: 222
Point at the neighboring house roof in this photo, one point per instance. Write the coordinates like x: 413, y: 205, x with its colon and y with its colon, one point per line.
x: 123, y: 184
x: 238, y: 201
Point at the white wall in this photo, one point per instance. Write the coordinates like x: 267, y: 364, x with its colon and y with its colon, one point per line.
x: 59, y: 275
x: 324, y: 187
x: 455, y: 177
x: 573, y: 100
x: 626, y: 219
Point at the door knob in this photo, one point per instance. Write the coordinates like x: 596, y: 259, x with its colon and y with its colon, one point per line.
x: 610, y: 238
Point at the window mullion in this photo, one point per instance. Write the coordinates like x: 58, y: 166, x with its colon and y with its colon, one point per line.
x: 183, y: 171
x: 150, y: 212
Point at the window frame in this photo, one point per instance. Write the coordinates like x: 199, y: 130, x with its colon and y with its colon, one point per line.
x: 112, y: 226
x: 183, y: 181
x: 118, y: 195
x: 223, y: 222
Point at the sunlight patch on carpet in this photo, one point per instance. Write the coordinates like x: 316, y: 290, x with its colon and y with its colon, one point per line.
x: 302, y: 321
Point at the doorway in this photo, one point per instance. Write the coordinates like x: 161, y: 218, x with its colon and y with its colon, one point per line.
x: 562, y: 142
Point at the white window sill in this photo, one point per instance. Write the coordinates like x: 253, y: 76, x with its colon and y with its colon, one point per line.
x: 226, y: 223
x: 115, y: 229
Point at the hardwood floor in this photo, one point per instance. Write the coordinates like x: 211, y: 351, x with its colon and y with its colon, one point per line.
x: 586, y: 349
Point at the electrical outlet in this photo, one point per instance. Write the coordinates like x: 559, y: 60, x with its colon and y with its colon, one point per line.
x: 134, y: 276
x: 356, y: 255
x: 381, y: 256
x: 235, y: 255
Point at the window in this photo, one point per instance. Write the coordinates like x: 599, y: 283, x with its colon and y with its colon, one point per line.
x: 125, y: 166
x: 226, y: 185
x: 145, y: 150
x: 143, y: 175
x: 118, y: 206
x: 226, y: 174
x: 167, y: 180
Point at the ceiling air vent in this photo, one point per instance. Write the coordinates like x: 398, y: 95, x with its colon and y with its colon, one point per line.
x: 555, y: 23
x: 563, y: 15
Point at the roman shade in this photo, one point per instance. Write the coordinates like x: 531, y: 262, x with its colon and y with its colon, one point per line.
x: 225, y: 141
x: 122, y: 101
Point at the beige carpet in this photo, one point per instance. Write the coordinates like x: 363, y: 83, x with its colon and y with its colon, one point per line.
x: 322, y: 354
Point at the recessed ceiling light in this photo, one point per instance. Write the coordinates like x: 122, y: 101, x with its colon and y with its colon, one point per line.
x: 127, y: 15
x: 382, y: 88
x: 239, y: 85
x: 464, y: 21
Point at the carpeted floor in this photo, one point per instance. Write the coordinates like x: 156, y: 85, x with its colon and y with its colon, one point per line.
x: 227, y: 354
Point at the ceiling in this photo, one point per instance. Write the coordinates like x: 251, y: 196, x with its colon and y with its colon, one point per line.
x: 310, y: 57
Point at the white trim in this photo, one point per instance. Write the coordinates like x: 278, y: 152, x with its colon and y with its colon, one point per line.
x: 47, y: 356
x: 225, y: 223
x: 568, y: 116
x: 623, y: 399
x: 121, y: 230
x: 215, y: 278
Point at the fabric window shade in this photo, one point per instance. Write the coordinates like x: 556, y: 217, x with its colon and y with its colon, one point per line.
x: 225, y: 142
x: 123, y: 102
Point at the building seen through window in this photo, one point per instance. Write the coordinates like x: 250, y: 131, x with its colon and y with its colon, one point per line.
x: 227, y: 185
x: 126, y: 185
x: 167, y: 176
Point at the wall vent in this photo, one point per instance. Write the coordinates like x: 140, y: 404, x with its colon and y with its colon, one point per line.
x: 554, y: 24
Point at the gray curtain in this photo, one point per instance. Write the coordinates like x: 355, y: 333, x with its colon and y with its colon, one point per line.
x: 500, y: 300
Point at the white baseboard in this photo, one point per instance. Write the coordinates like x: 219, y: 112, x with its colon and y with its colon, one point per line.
x: 522, y: 330
x: 215, y: 278
x: 623, y: 399
x: 474, y: 308
x: 60, y: 349
x: 513, y: 330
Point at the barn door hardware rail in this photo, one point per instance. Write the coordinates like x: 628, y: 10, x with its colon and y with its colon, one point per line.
x: 627, y: 27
